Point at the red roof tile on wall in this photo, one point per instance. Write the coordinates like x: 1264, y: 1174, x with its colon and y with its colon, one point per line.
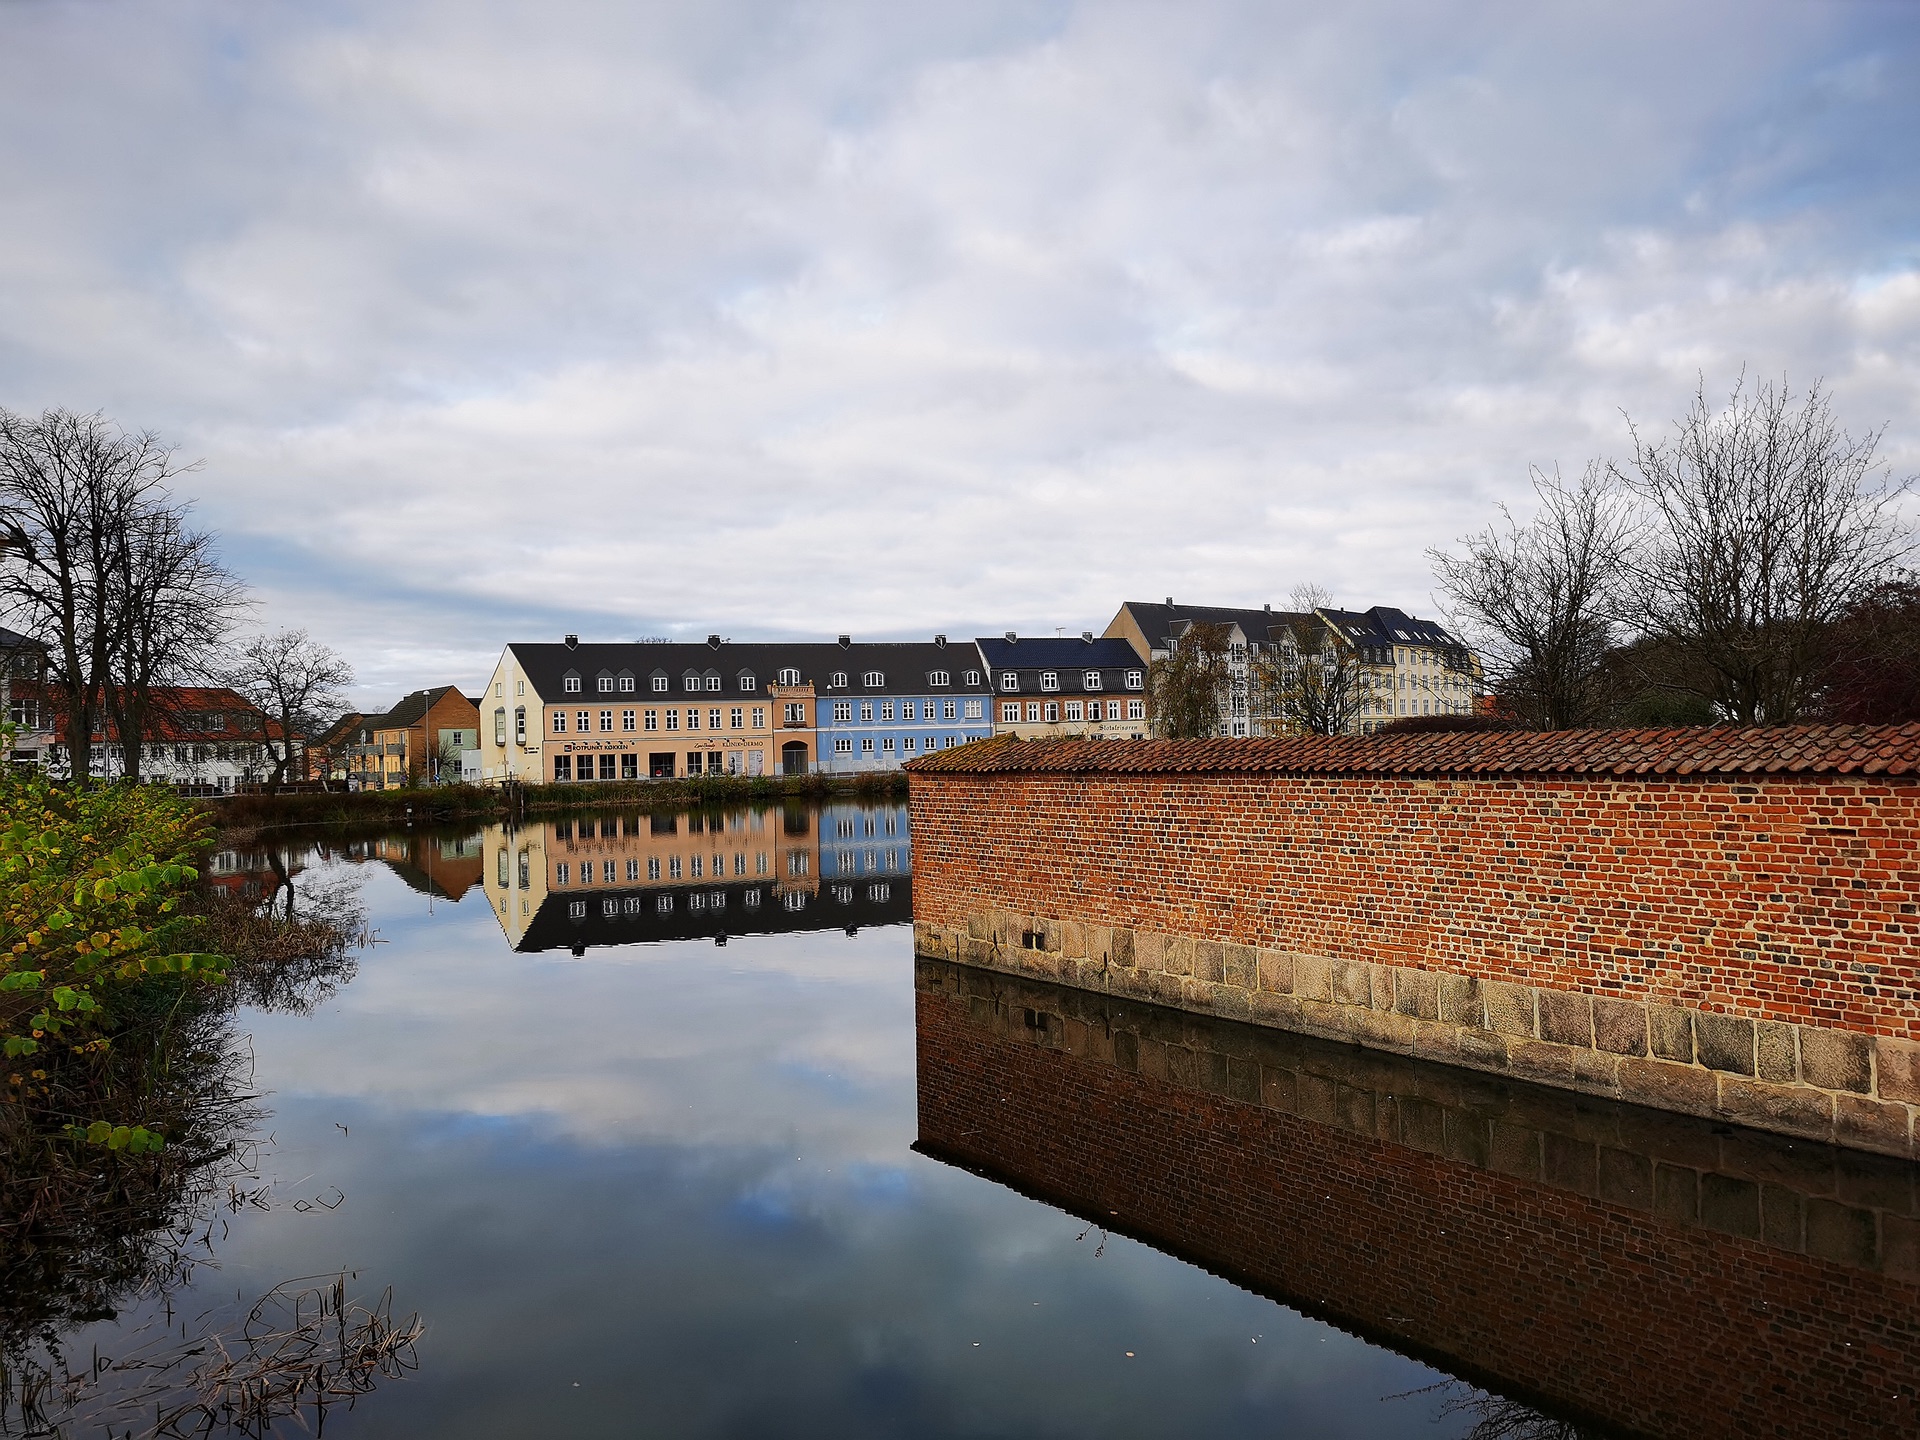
x: 1791, y: 749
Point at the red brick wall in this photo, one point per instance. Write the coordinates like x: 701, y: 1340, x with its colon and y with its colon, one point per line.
x: 1543, y: 1293
x: 1784, y: 897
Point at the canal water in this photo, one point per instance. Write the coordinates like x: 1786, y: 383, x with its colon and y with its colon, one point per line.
x: 660, y: 1130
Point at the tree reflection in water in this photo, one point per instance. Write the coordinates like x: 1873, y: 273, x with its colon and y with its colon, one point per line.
x: 88, y: 1235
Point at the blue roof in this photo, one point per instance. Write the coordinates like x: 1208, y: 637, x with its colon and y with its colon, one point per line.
x: 1054, y: 653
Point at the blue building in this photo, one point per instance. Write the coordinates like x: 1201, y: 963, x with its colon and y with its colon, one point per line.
x: 880, y: 704
x: 865, y: 851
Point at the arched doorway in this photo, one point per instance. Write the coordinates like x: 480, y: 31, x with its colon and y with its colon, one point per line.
x: 793, y: 758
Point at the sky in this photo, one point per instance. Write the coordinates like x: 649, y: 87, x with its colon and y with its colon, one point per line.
x: 490, y: 322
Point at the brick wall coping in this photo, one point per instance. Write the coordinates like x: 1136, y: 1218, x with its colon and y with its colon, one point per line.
x: 1788, y: 749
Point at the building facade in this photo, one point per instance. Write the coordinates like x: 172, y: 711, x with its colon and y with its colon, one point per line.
x: 418, y: 742
x: 1047, y: 687
x: 882, y: 703
x: 202, y: 740
x: 1406, y: 665
x: 23, y: 697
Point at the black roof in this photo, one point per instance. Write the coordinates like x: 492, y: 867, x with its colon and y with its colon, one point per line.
x: 722, y: 909
x: 1049, y: 652
x: 410, y: 710
x: 904, y: 667
x: 1384, y: 625
x: 1158, y: 621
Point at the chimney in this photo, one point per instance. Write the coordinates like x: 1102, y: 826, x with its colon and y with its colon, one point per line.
x: 714, y: 641
x: 1012, y: 638
x: 1169, y: 602
x: 573, y: 642
x: 941, y: 641
x: 845, y: 641
x: 1269, y: 607
x: 1087, y: 635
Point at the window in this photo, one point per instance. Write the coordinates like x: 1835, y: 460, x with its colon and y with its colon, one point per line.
x: 500, y: 726
x: 1049, y: 680
x: 1010, y: 713
x: 653, y: 719
x: 627, y: 720
x: 972, y: 677
x: 653, y: 867
x: 520, y: 724
x: 563, y: 767
x: 713, y: 719
x: 746, y: 683
x: 1073, y: 709
x: 1135, y: 679
x: 843, y: 710
x: 629, y: 767
x: 837, y: 680
x: 907, y: 743
x: 1090, y: 680
x: 938, y: 678
x: 886, y: 709
x: 759, y: 718
x: 559, y: 722
x: 736, y: 718
x: 713, y: 682
x: 973, y: 710
x: 886, y: 744
x: 1033, y: 712
x: 866, y: 712
x: 1136, y: 709
x: 694, y: 867
x: 693, y: 717
x: 866, y: 744
x: 949, y: 710
x: 1009, y: 681
x: 673, y: 719
x: 789, y: 677
x: 583, y: 722
x: 626, y: 684
x: 606, y: 872
x: 1113, y: 709
x: 606, y: 722
x: 673, y: 867
x: 1053, y: 712
x: 659, y: 684
x: 796, y: 713
x: 606, y: 684
x: 906, y: 709
x: 561, y: 873
x: 571, y: 685
x: 843, y: 745
x: 873, y: 679
x: 691, y: 682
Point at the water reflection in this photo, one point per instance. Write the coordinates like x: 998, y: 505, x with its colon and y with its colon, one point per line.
x: 1620, y: 1268
x: 589, y: 880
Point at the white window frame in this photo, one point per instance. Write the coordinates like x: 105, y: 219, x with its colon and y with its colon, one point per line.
x: 1010, y: 682
x: 843, y: 712
x: 571, y: 685
x: 938, y: 678
x: 1090, y: 680
x: 659, y: 684
x: 1010, y: 713
x: 789, y: 677
x: 1136, y: 679
x: 874, y: 679
x: 1049, y: 681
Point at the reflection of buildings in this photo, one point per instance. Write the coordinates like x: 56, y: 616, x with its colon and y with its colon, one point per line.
x: 608, y: 879
x: 1650, y: 1272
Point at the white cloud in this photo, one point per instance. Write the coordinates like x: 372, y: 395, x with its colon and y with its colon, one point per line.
x: 494, y: 321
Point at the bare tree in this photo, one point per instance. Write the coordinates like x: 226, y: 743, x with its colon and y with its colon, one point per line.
x: 1767, y: 524
x: 71, y: 487
x: 1186, y: 686
x: 174, y: 605
x: 1311, y: 679
x: 1536, y: 601
x: 292, y: 680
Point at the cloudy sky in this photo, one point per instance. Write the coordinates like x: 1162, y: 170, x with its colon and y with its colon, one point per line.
x: 491, y: 321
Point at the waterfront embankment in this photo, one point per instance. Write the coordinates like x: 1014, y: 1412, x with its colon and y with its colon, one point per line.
x: 1715, y: 922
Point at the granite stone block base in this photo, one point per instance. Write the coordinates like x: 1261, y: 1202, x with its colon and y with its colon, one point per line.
x: 1836, y: 1086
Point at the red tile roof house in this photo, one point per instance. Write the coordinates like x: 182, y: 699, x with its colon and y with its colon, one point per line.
x: 203, y: 740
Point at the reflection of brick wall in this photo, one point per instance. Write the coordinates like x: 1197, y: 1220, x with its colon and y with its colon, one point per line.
x: 1579, y: 1260
x: 1707, y: 925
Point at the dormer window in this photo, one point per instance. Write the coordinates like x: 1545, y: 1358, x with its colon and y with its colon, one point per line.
x: 937, y: 678
x: 713, y: 680
x: 837, y: 680
x: 1135, y: 679
x: 659, y: 684
x: 873, y: 680
x: 746, y: 682
x: 606, y: 684
x: 972, y: 677
x: 1049, y: 680
x: 789, y: 677
x: 1009, y: 681
x: 571, y: 684
x: 1090, y: 680
x: 692, y: 682
x: 626, y: 683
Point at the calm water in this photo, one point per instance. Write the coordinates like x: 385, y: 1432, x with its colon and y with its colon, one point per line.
x: 641, y: 1153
